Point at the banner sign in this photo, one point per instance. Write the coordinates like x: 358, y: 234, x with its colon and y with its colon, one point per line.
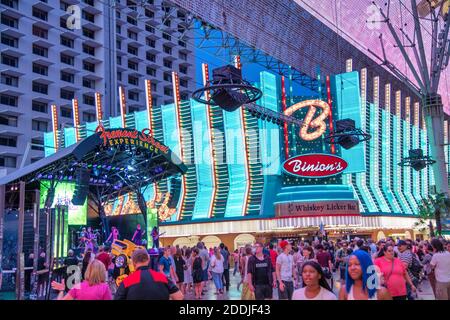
x: 315, y: 165
x: 326, y: 208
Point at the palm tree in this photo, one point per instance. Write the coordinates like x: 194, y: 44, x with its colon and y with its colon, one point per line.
x: 433, y: 207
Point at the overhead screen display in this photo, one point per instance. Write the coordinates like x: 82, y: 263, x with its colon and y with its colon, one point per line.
x: 63, y: 196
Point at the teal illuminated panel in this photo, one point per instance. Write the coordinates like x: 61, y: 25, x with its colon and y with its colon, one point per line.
x: 397, y: 178
x: 424, y: 172
x: 407, y: 174
x: 69, y: 136
x: 374, y: 150
x: 49, y: 145
x: 235, y: 155
x: 203, y: 160
x: 346, y: 98
x: 90, y: 128
x: 386, y: 165
x: 416, y: 174
x: 269, y: 132
x: 115, y: 122
x: 172, y: 138
x: 141, y: 120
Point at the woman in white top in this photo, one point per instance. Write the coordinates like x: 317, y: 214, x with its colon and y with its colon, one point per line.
x: 216, y: 266
x: 188, y: 281
x: 361, y: 281
x: 315, y: 285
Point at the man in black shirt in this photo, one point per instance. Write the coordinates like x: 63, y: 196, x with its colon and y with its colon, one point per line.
x: 261, y: 274
x: 145, y: 283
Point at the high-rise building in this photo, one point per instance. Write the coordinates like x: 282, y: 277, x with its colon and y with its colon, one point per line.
x: 53, y: 51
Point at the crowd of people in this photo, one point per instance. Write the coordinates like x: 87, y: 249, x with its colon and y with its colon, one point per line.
x: 319, y: 270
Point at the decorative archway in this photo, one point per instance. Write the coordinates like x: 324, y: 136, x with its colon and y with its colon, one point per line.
x: 243, y: 239
x: 408, y: 235
x: 211, y: 241
x: 380, y: 235
x: 186, y: 241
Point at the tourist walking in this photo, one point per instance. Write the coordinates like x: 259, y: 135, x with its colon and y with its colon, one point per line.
x: 285, y: 272
x: 440, y: 262
x: 315, y: 286
x: 217, y: 267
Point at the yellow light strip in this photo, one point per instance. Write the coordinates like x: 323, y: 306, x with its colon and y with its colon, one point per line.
x: 149, y: 102
x: 349, y: 65
x: 387, y: 97
x: 398, y: 103
x: 177, y: 101
x: 76, y: 119
x: 205, y: 73
x: 123, y: 105
x: 408, y: 109
x: 237, y: 64
x: 55, y: 127
x: 98, y: 107
x: 416, y: 115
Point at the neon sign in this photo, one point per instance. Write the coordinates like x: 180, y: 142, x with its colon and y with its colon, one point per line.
x: 112, y: 137
x: 315, y: 165
x: 309, y: 123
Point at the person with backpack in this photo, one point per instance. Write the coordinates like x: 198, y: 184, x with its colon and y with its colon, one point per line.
x: 412, y: 265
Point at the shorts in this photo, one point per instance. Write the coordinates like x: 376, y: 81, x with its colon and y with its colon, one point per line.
x: 263, y: 291
x: 205, y: 275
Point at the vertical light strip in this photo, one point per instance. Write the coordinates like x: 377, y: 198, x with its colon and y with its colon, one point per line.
x: 375, y: 147
x: 330, y: 103
x: 123, y: 105
x: 407, y: 145
x: 177, y: 102
x: 205, y: 75
x: 76, y: 118
x: 285, y: 125
x: 237, y: 64
x: 98, y: 108
x: 55, y: 127
x: 361, y: 178
x: 149, y: 105
x: 349, y: 65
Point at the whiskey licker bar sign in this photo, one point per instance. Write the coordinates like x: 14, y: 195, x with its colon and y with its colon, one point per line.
x: 316, y: 165
x: 322, y: 208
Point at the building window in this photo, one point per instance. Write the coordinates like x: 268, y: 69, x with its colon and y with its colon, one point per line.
x: 167, y: 22
x: 119, y: 76
x: 67, y: 42
x: 67, y: 59
x: 10, y: 41
x: 40, y: 14
x: 8, y: 100
x: 118, y: 29
x: 149, y: 28
x: 37, y: 144
x: 88, y: 66
x: 8, y: 121
x: 132, y: 50
x: 151, y: 71
x: 154, y: 101
x: 150, y: 56
x: 8, y: 141
x: 39, y: 106
x: 183, y: 83
x: 149, y: 13
x: 66, y: 113
x: 89, y: 2
x: 40, y: 87
x: 133, y: 80
x: 88, y: 49
x: 168, y: 91
x: 167, y: 36
x: 182, y: 43
x: 167, y: 77
x: 63, y: 23
x: 39, y: 125
x: 88, y: 117
x: 167, y: 49
x: 119, y: 44
x: 10, y: 21
x: 118, y: 15
x: 88, y: 100
x: 183, y: 56
x: 40, y: 69
x: 88, y: 16
x: 11, y: 3
x: 88, y: 33
x: 132, y: 35
x: 133, y: 95
x: 133, y: 65
x: 88, y: 83
x: 184, y: 96
x: 39, y: 32
x: 131, y: 20
x: 6, y: 161
x: 151, y: 43
x: 40, y: 51
x: 9, y: 80
x: 63, y: 6
x: 10, y: 60
x: 167, y: 63
x: 67, y: 77
x: 119, y: 60
x: 183, y: 69
x: 67, y: 94
x: 154, y: 87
